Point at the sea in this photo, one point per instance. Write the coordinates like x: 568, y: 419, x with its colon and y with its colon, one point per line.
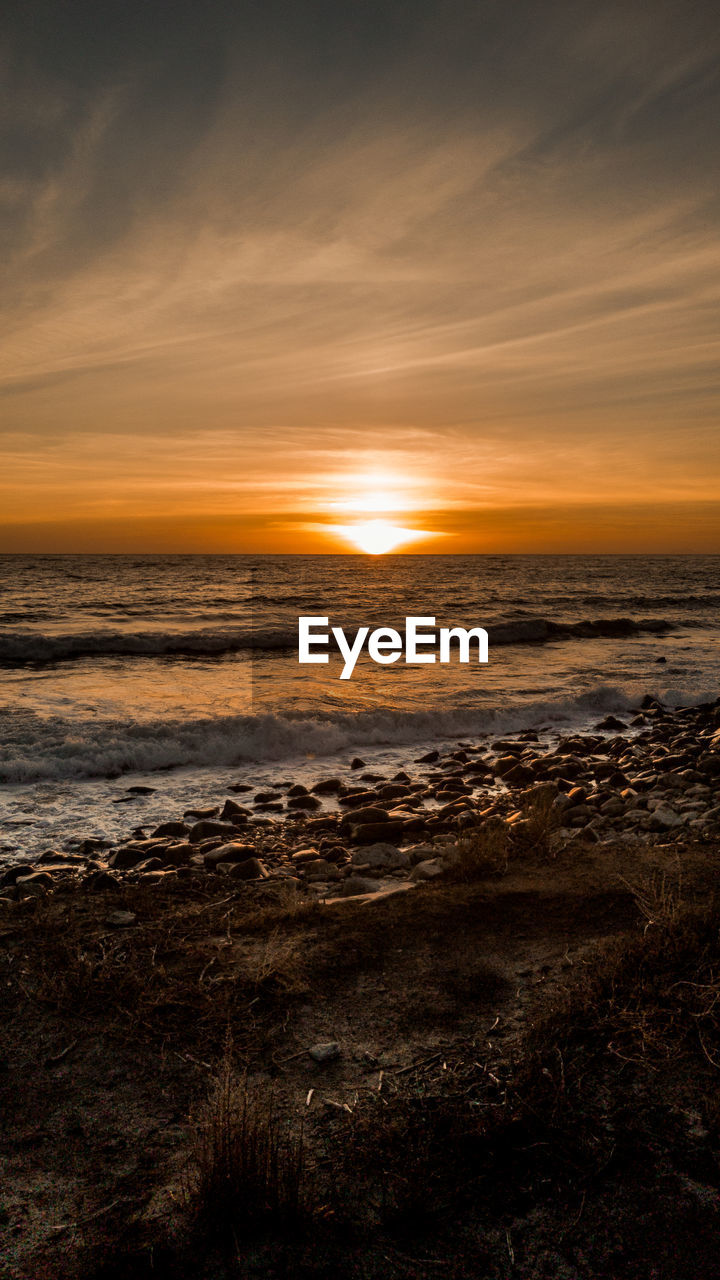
x: 178, y: 674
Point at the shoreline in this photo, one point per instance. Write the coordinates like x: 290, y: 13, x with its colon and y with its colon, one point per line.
x: 623, y: 779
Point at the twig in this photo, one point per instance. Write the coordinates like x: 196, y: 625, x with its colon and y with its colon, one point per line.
x: 90, y: 1217
x: 292, y: 1057
x: 415, y: 1066
x: 58, y: 1057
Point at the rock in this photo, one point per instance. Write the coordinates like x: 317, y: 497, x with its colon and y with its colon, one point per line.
x: 303, y: 801
x: 126, y: 857
x: 327, y: 786
x: 665, y: 820
x: 267, y: 797
x: 320, y: 869
x: 355, y: 885
x: 428, y: 870
x: 201, y: 813
x: 393, y: 790
x: 206, y: 829
x: 369, y: 813
x: 297, y: 789
x: 12, y: 873
x: 357, y: 763
x: 34, y: 882
x: 232, y: 810
x: 420, y: 853
x: 176, y: 855
x: 305, y: 855
x: 52, y: 856
x: 121, y: 919
x: 101, y: 882
x: 429, y: 758
x: 239, y: 787
x: 142, y: 791
x: 356, y: 797
x: 327, y: 1051
x: 381, y: 855
x: 231, y: 852
x: 150, y: 864
x: 611, y: 722
x: 171, y: 829
x: 252, y: 869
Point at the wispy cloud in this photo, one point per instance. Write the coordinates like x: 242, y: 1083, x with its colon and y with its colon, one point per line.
x: 485, y: 244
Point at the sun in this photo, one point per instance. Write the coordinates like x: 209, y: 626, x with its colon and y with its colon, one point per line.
x: 376, y: 537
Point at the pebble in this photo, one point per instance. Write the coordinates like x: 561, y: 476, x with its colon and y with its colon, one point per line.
x: 327, y: 1051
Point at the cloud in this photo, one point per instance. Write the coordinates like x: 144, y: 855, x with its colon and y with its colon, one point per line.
x: 483, y: 240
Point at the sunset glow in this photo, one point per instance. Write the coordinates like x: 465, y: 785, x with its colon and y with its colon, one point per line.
x: 467, y: 281
x: 376, y: 537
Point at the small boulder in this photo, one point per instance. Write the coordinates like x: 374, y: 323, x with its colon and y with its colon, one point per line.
x: 380, y: 855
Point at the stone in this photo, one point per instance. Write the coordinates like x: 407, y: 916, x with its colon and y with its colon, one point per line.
x: 665, y: 820
x: 353, y: 886
x: 126, y: 857
x: 231, y: 852
x: 357, y: 763
x: 206, y: 829
x: 34, y: 882
x: 327, y: 786
x: 121, y: 919
x: 428, y: 870
x: 369, y: 813
x: 381, y: 855
x: 253, y: 869
x: 326, y: 1051
x: 101, y: 882
x: 320, y: 869
x: 232, y: 811
x: 303, y: 801
x: 171, y: 829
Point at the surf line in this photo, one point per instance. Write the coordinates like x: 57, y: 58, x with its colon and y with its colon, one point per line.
x: 386, y: 645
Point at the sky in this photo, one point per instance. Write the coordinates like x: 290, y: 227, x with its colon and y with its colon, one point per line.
x: 270, y: 271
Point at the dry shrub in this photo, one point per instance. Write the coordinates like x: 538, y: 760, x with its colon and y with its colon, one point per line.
x: 246, y: 1168
x: 540, y: 821
x: 659, y: 896
x: 277, y: 966
x: 481, y: 852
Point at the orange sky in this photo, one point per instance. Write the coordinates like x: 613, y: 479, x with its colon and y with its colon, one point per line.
x: 461, y: 275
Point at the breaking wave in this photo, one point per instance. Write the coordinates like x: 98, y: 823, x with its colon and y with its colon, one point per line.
x: 34, y: 647
x: 45, y: 748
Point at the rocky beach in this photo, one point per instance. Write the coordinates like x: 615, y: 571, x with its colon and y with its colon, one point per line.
x: 654, y: 775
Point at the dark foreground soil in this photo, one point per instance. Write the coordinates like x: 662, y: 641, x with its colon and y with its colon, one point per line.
x: 527, y: 1082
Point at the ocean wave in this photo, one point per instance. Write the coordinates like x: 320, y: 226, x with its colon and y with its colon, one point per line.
x: 35, y: 647
x: 39, y: 748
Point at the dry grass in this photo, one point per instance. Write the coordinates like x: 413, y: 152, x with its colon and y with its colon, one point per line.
x: 246, y: 1169
x: 539, y: 823
x: 190, y: 963
x: 481, y: 852
x: 552, y: 1114
x: 659, y: 896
